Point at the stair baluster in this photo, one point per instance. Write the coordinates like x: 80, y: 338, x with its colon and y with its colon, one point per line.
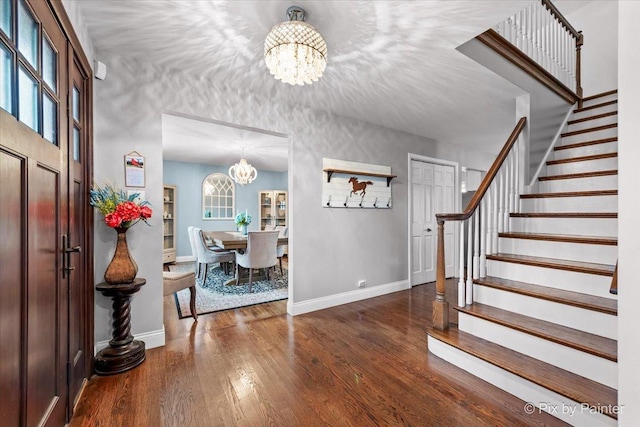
x: 440, y: 305
x: 469, y: 288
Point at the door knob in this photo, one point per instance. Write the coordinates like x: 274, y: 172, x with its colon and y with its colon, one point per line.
x: 428, y: 230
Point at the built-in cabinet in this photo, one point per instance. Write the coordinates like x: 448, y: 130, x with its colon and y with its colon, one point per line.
x: 169, y: 225
x: 273, y: 208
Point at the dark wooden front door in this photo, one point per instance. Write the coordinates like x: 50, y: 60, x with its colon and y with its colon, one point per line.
x: 45, y: 289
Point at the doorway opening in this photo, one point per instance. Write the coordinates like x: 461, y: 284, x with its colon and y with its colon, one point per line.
x: 196, y: 153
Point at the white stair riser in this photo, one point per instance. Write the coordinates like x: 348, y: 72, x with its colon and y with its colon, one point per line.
x: 605, y: 182
x: 559, y: 406
x: 589, y: 136
x: 601, y: 254
x: 599, y: 100
x: 587, y: 365
x: 571, y: 204
x: 607, y: 227
x: 588, y: 150
x: 593, y: 123
x: 593, y: 322
x: 592, y: 284
x: 608, y: 163
x: 595, y: 111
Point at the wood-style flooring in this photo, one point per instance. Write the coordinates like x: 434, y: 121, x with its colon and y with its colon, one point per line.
x: 361, y: 364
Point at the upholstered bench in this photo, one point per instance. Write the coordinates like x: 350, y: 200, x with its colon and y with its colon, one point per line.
x: 173, y: 282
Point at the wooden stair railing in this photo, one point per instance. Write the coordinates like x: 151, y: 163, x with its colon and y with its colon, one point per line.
x: 542, y: 34
x: 501, y: 201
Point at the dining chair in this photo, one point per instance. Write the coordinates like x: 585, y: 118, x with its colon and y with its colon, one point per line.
x: 206, y: 256
x: 260, y: 253
x: 283, y: 232
x: 173, y: 282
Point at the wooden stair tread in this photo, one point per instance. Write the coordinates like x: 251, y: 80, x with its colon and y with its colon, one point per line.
x: 579, y: 175
x: 558, y: 264
x: 585, y: 143
x: 569, y: 238
x: 565, y: 383
x: 594, y: 117
x: 583, y: 158
x: 600, y: 95
x: 588, y: 130
x: 571, y: 194
x: 564, y: 215
x: 579, y: 340
x: 576, y: 299
x: 593, y: 107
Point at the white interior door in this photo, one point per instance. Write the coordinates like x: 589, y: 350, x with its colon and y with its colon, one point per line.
x: 432, y: 191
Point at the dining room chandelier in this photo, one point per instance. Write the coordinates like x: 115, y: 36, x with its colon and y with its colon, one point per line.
x: 242, y: 172
x: 294, y: 51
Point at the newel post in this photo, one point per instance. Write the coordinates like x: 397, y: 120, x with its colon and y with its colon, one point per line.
x: 579, y: 43
x: 440, y: 305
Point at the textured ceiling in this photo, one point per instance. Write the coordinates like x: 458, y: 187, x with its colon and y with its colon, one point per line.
x: 391, y: 63
x: 190, y: 139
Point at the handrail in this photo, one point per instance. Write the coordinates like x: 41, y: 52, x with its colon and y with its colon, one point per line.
x: 440, y: 305
x: 546, y: 38
x: 550, y: 6
x: 486, y: 182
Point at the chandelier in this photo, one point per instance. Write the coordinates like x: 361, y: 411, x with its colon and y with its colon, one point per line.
x: 242, y: 172
x: 294, y: 51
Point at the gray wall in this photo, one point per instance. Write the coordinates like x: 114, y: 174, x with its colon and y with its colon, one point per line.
x: 188, y: 177
x: 329, y: 248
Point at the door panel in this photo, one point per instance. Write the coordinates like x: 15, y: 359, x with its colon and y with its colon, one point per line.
x: 12, y: 173
x: 44, y: 325
x: 432, y: 192
x: 77, y: 276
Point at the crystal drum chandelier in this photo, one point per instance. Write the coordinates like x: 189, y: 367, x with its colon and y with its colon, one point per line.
x: 294, y: 51
x: 242, y: 172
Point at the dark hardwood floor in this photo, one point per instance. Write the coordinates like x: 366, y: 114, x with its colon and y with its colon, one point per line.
x: 361, y: 364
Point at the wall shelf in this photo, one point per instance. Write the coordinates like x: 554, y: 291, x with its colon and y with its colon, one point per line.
x: 330, y: 173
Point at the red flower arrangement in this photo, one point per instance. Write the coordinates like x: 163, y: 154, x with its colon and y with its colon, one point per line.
x: 119, y: 210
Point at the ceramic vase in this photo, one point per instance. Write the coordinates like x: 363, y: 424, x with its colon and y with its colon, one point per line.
x: 122, y: 268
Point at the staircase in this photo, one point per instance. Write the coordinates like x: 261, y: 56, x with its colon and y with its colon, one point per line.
x: 543, y: 322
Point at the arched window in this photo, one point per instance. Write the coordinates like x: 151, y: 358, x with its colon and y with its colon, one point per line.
x: 218, y: 197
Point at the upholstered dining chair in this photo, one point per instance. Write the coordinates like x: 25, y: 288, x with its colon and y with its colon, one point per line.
x: 207, y: 256
x: 283, y: 232
x: 260, y: 253
x: 173, y: 282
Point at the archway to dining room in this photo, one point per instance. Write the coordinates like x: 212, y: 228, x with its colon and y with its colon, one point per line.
x: 202, y: 202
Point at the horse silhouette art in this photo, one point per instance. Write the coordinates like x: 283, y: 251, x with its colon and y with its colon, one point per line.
x: 358, y: 186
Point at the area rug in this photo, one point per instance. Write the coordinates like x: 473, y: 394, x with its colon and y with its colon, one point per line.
x: 214, y: 295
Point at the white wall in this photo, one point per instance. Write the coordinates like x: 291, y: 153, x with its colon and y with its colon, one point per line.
x: 80, y: 28
x: 629, y: 205
x: 598, y: 21
x: 330, y: 249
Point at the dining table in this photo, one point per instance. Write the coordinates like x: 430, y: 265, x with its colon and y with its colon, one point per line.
x: 235, y: 241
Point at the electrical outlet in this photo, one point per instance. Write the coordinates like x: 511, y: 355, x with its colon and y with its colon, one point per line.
x: 362, y: 283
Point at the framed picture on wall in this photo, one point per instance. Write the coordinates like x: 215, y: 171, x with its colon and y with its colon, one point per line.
x: 134, y: 170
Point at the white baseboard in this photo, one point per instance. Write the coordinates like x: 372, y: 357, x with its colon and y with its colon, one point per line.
x: 308, y: 306
x: 185, y: 258
x: 152, y: 339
